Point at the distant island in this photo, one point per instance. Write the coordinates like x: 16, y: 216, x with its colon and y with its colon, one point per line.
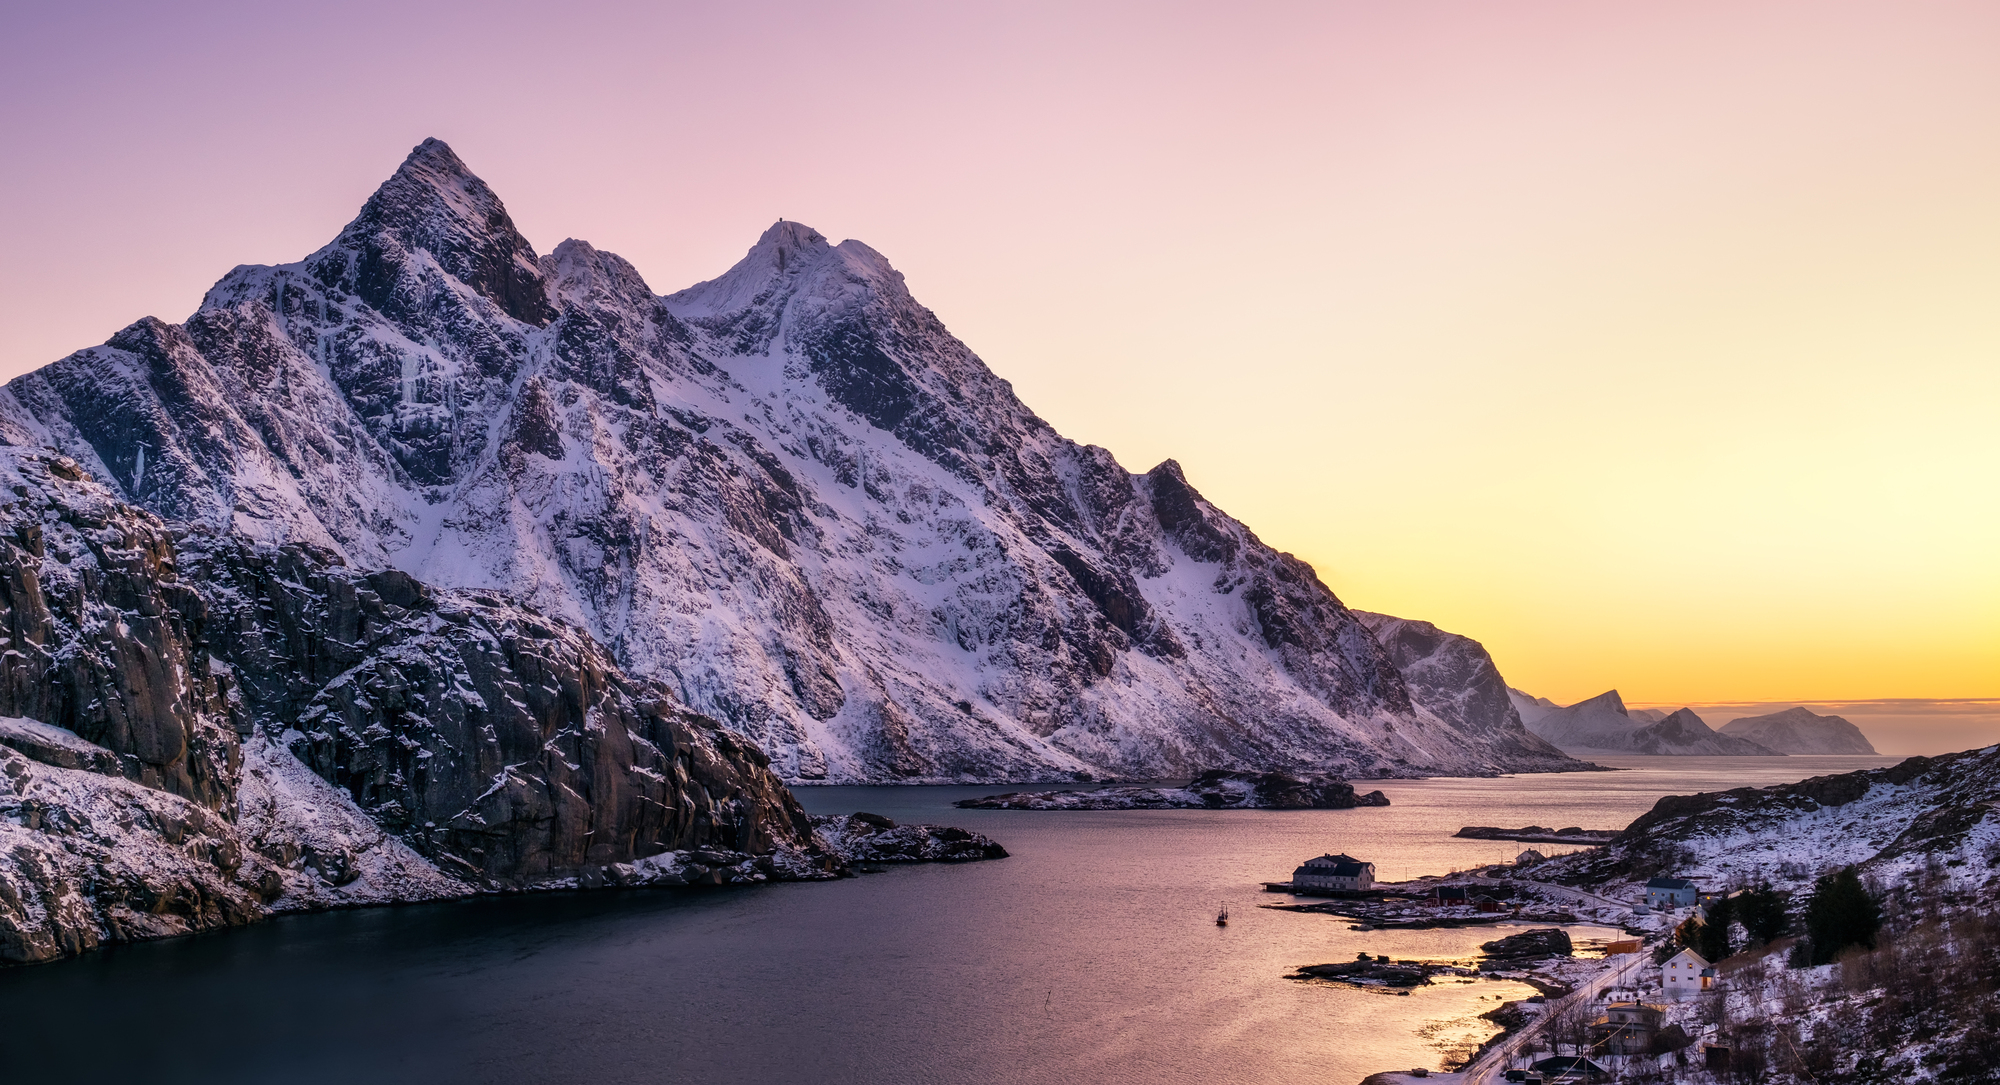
x: 1213, y: 790
x: 1801, y: 730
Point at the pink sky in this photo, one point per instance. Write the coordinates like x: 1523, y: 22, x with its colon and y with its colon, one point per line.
x: 1654, y: 345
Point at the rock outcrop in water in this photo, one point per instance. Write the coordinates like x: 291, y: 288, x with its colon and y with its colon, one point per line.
x: 1526, y: 947
x: 871, y: 838
x: 1213, y: 790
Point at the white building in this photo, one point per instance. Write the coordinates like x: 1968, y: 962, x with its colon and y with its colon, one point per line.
x: 1335, y: 872
x: 1664, y: 894
x: 1686, y: 973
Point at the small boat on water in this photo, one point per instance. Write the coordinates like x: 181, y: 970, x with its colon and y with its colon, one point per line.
x: 1222, y: 917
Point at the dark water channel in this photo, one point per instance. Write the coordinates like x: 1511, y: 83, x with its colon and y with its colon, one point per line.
x: 1090, y: 956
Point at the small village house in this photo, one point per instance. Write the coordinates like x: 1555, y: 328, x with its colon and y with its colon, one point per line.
x: 1686, y: 973
x: 1449, y: 896
x: 1668, y: 893
x: 1627, y: 1028
x: 1342, y: 871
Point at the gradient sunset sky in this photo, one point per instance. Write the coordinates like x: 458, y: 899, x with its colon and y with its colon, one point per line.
x: 1656, y: 346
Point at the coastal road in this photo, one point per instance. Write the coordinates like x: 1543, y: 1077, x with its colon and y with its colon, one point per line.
x: 1563, y: 890
x: 1488, y: 1068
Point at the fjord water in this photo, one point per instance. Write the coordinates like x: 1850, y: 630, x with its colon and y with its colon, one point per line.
x: 1090, y: 955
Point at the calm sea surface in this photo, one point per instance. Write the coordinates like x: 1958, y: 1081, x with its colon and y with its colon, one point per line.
x: 1091, y: 955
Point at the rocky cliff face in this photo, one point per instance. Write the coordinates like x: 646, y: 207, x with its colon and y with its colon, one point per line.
x: 787, y: 493
x: 215, y: 730
x: 1454, y: 678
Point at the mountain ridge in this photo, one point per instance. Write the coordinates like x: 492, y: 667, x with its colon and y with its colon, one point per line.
x: 1602, y: 724
x: 788, y: 492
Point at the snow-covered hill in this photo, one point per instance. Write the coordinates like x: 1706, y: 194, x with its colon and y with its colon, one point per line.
x: 1935, y: 812
x: 787, y: 492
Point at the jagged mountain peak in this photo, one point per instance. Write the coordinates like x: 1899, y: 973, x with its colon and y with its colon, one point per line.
x: 433, y: 204
x: 788, y: 491
x: 577, y: 271
x: 1609, y: 699
x: 792, y: 236
x: 746, y: 302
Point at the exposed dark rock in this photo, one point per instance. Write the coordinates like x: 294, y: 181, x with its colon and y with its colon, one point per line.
x: 1534, y: 945
x: 863, y: 838
x: 217, y: 730
x: 502, y: 745
x: 55, y: 746
x: 1373, y: 972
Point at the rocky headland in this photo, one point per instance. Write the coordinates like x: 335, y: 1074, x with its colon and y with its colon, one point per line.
x: 1213, y: 790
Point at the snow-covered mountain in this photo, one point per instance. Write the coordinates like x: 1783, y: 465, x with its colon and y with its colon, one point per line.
x: 788, y: 493
x: 197, y: 732
x: 1801, y: 730
x: 1602, y: 724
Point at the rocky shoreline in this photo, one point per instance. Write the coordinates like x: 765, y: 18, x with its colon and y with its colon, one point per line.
x: 1409, y: 906
x: 1536, y: 834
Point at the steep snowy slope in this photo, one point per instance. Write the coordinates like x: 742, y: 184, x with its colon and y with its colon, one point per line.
x: 788, y: 492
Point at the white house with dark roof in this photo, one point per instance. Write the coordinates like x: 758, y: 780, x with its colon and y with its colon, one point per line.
x: 1669, y: 893
x: 1341, y: 871
x: 1686, y: 973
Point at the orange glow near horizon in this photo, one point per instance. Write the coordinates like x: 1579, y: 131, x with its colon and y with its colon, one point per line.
x: 1657, y: 347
